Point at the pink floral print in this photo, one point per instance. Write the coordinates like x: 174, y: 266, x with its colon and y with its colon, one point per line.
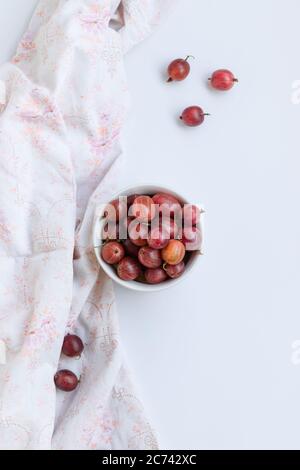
x: 66, y: 101
x: 95, y: 17
x: 26, y: 48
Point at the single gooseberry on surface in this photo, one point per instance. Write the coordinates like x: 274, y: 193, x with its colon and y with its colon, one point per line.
x: 66, y: 380
x: 113, y: 252
x: 174, y: 252
x: 149, y: 257
x: 72, y: 346
x: 155, y: 276
x: 179, y: 69
x: 175, y: 271
x: 193, y: 116
x: 143, y: 208
x: 223, y: 80
x: 129, y: 269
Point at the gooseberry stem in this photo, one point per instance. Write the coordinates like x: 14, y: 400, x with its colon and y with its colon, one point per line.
x: 189, y: 57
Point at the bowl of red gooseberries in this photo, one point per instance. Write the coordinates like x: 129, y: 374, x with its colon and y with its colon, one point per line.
x: 148, y: 238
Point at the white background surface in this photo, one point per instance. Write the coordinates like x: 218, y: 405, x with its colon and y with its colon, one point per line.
x: 214, y: 356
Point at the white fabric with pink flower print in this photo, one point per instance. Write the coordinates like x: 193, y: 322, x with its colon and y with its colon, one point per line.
x: 63, y: 100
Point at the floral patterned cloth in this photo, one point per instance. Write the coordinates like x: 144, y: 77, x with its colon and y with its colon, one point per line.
x: 63, y: 101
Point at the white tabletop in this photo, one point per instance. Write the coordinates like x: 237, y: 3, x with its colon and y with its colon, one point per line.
x: 214, y: 357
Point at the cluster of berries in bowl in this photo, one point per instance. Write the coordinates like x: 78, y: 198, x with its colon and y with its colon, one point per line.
x: 148, y: 237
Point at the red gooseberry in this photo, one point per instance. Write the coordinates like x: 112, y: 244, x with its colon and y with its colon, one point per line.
x: 130, y: 248
x: 179, y: 69
x: 192, y: 238
x: 175, y: 271
x: 129, y: 269
x: 143, y: 209
x: 66, y: 380
x: 138, y: 233
x: 149, y: 257
x: 223, y: 80
x: 168, y: 205
x: 159, y: 237
x: 193, y: 116
x: 72, y: 346
x: 113, y: 252
x: 155, y: 276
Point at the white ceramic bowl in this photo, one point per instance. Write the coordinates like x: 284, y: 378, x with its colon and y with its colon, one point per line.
x: 110, y: 271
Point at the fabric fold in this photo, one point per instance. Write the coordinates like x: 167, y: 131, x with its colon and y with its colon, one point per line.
x: 66, y: 98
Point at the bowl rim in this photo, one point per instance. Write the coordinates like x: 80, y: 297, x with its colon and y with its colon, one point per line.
x: 109, y: 270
